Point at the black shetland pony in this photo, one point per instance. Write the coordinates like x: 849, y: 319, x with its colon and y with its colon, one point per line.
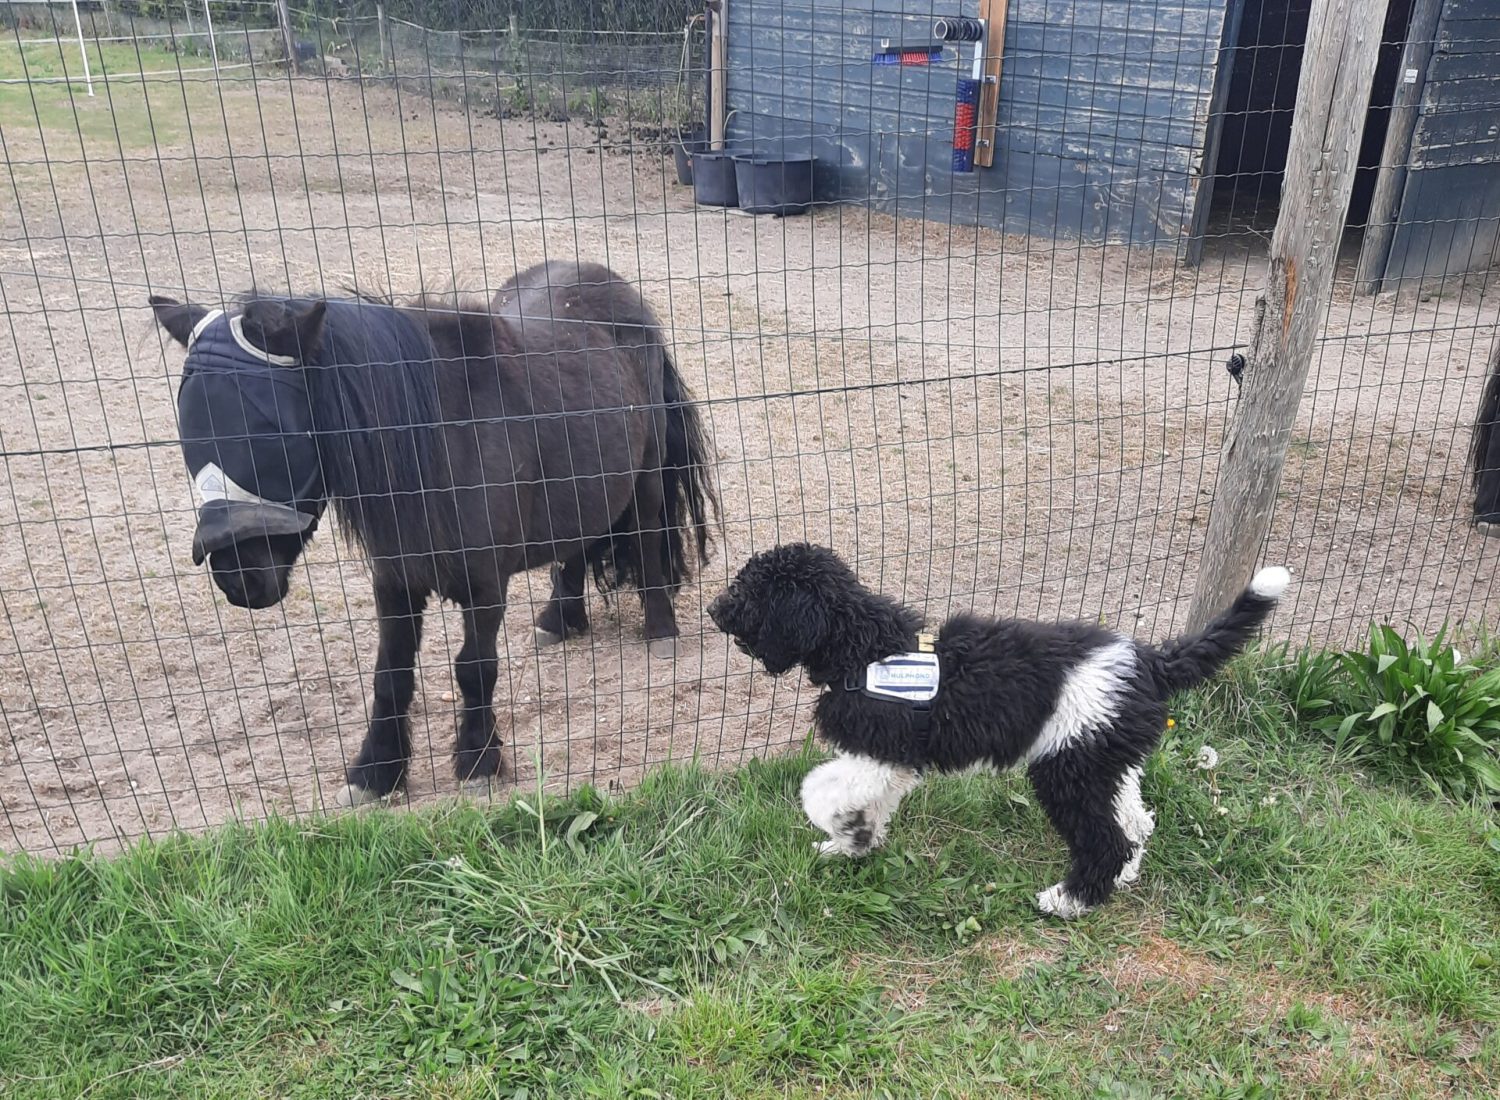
x: 1484, y: 453
x: 458, y: 446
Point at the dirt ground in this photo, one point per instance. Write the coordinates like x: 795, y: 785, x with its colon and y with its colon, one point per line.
x: 1020, y: 426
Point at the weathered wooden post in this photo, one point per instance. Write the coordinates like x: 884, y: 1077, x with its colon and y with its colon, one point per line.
x: 718, y: 49
x: 1338, y: 67
x: 285, y: 18
x: 380, y: 29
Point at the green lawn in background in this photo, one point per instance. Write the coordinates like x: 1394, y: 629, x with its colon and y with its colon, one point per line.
x: 121, y: 114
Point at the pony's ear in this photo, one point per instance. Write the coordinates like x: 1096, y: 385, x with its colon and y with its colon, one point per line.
x: 293, y: 329
x: 178, y: 318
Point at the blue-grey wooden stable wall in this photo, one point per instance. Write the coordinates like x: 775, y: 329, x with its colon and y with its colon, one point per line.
x: 1104, y: 106
x: 1449, y: 220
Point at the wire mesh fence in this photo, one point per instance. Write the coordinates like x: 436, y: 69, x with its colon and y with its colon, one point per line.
x: 1001, y: 389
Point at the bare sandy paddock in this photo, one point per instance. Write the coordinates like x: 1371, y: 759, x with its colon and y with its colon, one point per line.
x: 1027, y: 427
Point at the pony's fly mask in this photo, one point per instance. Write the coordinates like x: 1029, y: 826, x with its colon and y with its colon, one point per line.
x: 247, y: 435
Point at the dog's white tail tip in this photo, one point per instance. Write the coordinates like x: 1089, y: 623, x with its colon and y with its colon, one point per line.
x: 1271, y: 582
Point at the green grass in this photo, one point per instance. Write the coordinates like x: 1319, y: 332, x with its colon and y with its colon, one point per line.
x: 1300, y: 929
x: 121, y: 114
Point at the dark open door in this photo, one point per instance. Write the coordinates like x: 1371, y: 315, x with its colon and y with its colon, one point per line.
x: 1448, y: 216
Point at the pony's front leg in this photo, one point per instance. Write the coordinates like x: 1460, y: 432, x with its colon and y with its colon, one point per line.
x: 477, y: 761
x: 380, y: 766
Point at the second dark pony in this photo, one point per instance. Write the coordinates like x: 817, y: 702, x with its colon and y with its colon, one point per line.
x: 1484, y: 452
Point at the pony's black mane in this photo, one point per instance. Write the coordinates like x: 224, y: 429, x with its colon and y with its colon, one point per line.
x: 376, y: 404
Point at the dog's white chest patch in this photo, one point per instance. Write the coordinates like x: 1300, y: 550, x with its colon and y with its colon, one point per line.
x: 909, y: 677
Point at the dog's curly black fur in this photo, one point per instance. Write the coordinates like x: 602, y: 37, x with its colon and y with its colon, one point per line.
x: 1081, y: 706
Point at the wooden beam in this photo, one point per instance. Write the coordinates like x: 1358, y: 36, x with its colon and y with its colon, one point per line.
x: 1385, y: 206
x: 718, y: 73
x: 989, y: 95
x: 284, y: 17
x: 1338, y: 66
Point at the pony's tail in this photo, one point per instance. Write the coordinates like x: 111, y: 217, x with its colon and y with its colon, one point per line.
x: 689, y: 501
x: 689, y: 504
x: 1484, y: 449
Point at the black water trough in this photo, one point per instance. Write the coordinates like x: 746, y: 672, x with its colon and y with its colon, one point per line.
x: 775, y: 185
x: 683, y: 150
x: 714, y: 179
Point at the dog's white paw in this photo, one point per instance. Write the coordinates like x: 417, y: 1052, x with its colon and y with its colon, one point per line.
x: 351, y: 797
x: 1057, y: 902
x: 828, y: 848
x: 1131, y: 872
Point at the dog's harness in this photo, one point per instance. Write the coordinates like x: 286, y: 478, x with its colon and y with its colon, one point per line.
x: 911, y: 679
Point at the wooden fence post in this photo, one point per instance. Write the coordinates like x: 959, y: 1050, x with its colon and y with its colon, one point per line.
x: 380, y: 29
x: 285, y: 18
x: 718, y: 74
x: 1338, y: 67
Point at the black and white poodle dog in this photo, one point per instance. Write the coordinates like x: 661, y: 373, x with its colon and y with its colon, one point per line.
x: 1080, y: 706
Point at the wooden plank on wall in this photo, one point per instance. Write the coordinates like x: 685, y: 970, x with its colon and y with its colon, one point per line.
x: 718, y: 73
x: 996, y: 12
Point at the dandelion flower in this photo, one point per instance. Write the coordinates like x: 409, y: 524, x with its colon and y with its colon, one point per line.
x: 1207, y: 759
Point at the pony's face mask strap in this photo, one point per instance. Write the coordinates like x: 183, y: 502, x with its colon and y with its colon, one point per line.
x: 247, y: 439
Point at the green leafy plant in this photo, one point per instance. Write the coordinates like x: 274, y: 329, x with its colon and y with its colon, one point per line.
x: 591, y: 104
x: 1423, y: 709
x: 1313, y: 681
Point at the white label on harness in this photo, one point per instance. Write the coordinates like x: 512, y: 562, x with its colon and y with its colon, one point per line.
x: 910, y: 677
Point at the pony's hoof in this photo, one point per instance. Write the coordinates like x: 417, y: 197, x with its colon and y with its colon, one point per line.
x: 1488, y: 530
x: 545, y: 638
x: 477, y: 769
x: 352, y: 797
x: 481, y: 789
x: 664, y: 648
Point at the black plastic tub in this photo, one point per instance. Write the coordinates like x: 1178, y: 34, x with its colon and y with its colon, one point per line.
x: 775, y: 185
x: 714, y: 179
x: 683, y: 150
